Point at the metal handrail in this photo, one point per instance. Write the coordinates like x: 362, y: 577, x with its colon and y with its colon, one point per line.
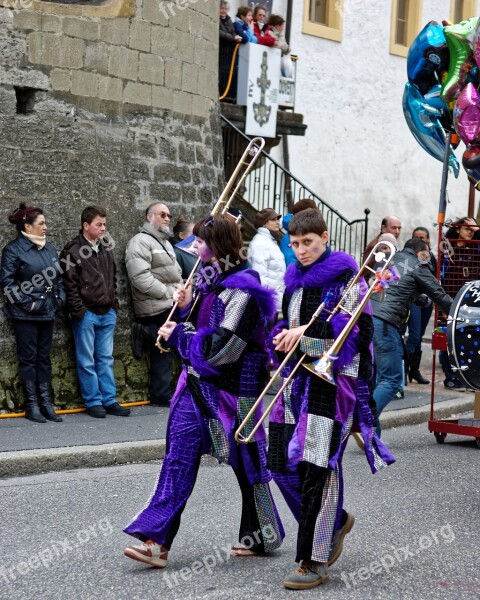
x: 267, y: 186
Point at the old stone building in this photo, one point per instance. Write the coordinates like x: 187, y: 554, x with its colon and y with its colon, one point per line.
x: 112, y: 104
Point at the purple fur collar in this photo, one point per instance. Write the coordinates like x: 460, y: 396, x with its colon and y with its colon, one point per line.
x: 320, y: 273
x: 249, y: 281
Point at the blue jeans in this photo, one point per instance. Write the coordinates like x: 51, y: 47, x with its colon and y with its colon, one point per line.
x: 93, y: 335
x: 388, y: 353
x: 417, y: 324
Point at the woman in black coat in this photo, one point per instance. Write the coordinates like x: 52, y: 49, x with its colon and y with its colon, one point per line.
x: 34, y: 293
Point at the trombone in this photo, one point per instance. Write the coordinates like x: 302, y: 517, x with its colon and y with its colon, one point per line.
x: 252, y: 151
x: 379, y: 257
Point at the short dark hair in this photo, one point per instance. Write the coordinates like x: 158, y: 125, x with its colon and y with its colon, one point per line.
x: 243, y: 11
x: 424, y: 229
x: 24, y: 214
x: 223, y: 237
x: 181, y: 226
x: 275, y: 20
x: 303, y: 204
x: 90, y: 212
x: 309, y: 220
x: 416, y: 244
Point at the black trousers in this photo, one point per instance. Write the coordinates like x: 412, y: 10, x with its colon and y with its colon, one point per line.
x: 34, y: 343
x: 160, y: 362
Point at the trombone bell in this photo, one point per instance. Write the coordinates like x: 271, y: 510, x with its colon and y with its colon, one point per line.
x: 323, y: 367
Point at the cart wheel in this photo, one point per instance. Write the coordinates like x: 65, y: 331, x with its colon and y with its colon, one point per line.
x: 477, y: 441
x: 440, y: 437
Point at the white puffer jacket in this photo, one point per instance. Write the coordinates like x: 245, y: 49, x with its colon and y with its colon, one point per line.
x: 153, y: 271
x: 267, y: 259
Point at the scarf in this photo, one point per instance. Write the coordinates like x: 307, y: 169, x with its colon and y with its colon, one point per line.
x: 38, y: 240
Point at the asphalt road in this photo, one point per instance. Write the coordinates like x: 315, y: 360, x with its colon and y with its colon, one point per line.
x: 416, y: 535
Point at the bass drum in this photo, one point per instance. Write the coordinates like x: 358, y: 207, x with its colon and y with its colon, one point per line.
x: 463, y: 334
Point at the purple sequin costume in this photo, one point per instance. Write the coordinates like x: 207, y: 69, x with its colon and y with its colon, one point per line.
x: 223, y: 373
x: 310, y: 425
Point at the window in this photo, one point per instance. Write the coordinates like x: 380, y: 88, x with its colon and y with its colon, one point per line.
x: 405, y: 25
x: 462, y: 9
x: 323, y: 18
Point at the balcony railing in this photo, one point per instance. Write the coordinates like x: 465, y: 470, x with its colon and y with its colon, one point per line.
x: 272, y: 186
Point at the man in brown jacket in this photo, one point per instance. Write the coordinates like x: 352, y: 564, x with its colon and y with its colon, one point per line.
x: 92, y: 301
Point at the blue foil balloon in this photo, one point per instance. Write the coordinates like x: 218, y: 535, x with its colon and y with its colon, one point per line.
x: 427, y: 57
x: 423, y: 121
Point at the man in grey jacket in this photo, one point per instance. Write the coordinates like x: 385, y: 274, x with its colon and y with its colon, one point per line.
x: 154, y: 273
x: 390, y: 310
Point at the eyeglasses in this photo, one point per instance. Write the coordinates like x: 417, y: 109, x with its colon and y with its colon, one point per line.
x: 163, y: 215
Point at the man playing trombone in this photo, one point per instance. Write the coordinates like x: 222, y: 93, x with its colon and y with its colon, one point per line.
x: 310, y: 425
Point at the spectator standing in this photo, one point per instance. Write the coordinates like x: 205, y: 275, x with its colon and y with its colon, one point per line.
x: 244, y: 25
x: 285, y: 245
x: 460, y: 263
x: 390, y: 311
x: 418, y: 319
x: 228, y: 40
x: 389, y: 224
x: 260, y: 28
x: 154, y: 273
x: 265, y: 256
x: 92, y: 302
x: 276, y: 25
x: 34, y: 293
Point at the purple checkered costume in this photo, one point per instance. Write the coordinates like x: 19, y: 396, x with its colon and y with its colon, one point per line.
x: 310, y: 425
x: 224, y: 372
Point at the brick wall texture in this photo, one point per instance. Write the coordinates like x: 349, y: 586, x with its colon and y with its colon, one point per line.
x: 120, y: 112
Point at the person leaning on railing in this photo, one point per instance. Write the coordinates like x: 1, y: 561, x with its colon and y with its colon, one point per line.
x: 260, y: 28
x: 244, y: 25
x: 228, y: 41
x: 34, y: 294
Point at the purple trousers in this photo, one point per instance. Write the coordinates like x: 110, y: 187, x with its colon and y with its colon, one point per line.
x: 187, y: 439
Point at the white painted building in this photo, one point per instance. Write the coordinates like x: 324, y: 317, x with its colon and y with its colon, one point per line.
x: 358, y: 151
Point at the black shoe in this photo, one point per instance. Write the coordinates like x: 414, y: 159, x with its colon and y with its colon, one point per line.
x: 45, y: 402
x: 160, y: 403
x: 139, y: 336
x: 97, y: 411
x: 32, y: 411
x: 117, y: 410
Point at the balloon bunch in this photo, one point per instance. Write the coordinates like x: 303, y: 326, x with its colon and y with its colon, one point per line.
x: 442, y: 91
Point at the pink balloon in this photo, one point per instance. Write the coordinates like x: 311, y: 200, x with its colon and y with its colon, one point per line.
x: 466, y: 114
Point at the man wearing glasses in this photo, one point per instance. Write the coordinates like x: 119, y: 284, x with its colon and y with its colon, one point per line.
x: 154, y: 273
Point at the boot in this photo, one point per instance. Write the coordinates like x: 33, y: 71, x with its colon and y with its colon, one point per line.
x: 32, y: 411
x: 414, y: 372
x: 45, y: 402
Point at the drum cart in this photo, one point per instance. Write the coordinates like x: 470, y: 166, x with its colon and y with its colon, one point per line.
x: 462, y: 341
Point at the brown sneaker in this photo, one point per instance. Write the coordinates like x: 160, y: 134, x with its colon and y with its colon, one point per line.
x: 307, y: 576
x: 148, y: 552
x: 337, y: 542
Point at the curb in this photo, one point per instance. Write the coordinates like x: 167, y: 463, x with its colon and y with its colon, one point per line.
x: 421, y: 414
x: 35, y: 462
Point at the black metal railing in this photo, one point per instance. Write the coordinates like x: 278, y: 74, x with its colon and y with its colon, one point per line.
x: 270, y: 185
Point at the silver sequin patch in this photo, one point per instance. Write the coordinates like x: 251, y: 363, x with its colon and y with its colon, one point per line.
x: 317, y: 440
x: 219, y: 440
x: 294, y: 308
x: 236, y: 302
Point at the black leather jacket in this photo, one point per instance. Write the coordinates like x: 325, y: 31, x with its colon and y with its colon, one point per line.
x: 415, y: 278
x: 31, y: 281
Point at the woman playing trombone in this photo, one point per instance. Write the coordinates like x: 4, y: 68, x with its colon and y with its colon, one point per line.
x: 310, y: 426
x: 223, y: 350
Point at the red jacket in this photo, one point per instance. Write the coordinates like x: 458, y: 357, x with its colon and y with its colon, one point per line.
x: 263, y: 36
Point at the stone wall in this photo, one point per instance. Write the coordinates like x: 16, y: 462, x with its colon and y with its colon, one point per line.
x: 116, y: 111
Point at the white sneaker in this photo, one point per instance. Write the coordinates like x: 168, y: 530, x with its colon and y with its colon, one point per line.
x: 148, y: 552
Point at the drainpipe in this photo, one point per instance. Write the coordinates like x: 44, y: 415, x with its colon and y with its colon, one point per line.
x: 286, y: 154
